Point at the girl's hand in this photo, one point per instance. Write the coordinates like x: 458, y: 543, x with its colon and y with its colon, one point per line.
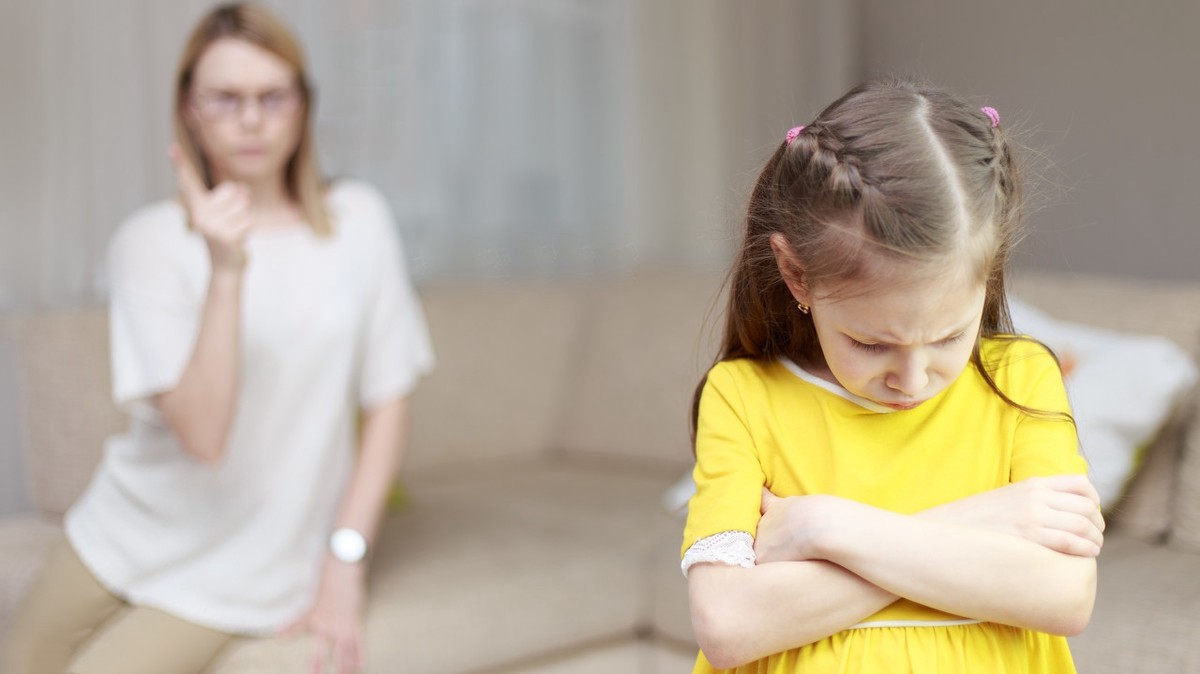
x: 335, y: 621
x: 222, y: 216
x: 790, y: 528
x: 1060, y: 512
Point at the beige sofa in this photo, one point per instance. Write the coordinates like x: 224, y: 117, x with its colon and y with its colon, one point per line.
x: 534, y: 539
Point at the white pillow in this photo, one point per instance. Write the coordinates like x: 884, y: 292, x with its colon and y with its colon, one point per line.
x: 1122, y: 388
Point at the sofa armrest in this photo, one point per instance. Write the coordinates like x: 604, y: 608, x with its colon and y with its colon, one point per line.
x: 25, y: 541
x: 64, y: 399
x: 1185, y: 525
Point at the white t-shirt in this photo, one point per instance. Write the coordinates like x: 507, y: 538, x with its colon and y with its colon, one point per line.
x: 329, y: 326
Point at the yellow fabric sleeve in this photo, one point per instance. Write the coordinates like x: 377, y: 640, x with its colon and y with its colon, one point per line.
x: 1042, y: 444
x: 729, y: 477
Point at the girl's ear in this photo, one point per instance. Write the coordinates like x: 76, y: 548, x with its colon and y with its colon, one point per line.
x: 789, y: 268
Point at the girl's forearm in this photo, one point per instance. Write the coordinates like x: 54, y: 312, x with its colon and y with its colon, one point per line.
x: 200, y: 408
x: 743, y: 614
x: 963, y: 570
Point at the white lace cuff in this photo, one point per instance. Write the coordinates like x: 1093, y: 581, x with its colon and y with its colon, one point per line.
x: 735, y: 548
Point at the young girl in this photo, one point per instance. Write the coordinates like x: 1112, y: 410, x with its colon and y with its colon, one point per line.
x: 265, y: 338
x: 887, y: 479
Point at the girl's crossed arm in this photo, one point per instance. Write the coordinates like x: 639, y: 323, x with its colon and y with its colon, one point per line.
x: 974, y: 569
x: 742, y: 614
x: 1020, y: 554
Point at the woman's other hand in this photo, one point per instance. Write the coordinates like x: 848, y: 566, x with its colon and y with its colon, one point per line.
x: 222, y: 215
x: 335, y: 620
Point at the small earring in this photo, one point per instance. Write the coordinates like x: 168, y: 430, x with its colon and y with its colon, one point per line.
x: 802, y: 307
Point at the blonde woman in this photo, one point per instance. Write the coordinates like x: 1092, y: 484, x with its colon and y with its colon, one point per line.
x: 264, y: 340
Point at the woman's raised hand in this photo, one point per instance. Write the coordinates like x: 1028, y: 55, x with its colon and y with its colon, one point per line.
x: 221, y: 215
x: 1060, y: 512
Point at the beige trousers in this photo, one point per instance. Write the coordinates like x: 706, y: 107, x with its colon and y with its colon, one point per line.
x: 69, y: 623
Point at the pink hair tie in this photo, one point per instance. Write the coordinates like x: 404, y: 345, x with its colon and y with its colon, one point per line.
x: 992, y: 115
x: 792, y: 133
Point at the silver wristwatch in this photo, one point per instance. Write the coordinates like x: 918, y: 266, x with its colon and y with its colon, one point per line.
x: 348, y: 545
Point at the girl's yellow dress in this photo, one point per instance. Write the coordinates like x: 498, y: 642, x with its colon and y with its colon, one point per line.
x: 771, y: 423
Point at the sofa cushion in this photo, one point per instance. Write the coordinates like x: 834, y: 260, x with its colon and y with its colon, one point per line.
x: 1147, y: 601
x: 670, y: 615
x: 1185, y: 530
x: 25, y: 540
x: 1146, y: 510
x: 500, y: 562
x: 626, y: 657
x: 505, y: 561
x: 648, y: 340
x: 503, y: 355
x: 65, y: 399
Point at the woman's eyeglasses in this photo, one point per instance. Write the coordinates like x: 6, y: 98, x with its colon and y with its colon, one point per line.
x: 230, y: 104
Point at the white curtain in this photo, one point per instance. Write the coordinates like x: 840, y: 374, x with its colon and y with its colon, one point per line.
x: 512, y: 137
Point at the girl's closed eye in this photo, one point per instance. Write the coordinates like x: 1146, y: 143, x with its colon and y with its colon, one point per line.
x: 873, y: 347
x: 869, y: 348
x: 952, y: 339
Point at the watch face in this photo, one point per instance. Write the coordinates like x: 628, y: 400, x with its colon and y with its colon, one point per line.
x: 348, y: 545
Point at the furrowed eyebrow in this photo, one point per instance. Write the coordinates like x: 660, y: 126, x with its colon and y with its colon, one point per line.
x: 891, y: 340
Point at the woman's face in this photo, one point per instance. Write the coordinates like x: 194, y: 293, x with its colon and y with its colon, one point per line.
x: 245, y: 110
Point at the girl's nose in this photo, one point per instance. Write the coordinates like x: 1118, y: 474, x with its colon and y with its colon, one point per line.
x: 910, y: 376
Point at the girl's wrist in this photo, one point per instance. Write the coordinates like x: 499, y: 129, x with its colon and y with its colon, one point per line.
x: 830, y: 531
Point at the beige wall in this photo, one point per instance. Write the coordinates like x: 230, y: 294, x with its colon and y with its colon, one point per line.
x: 718, y: 84
x: 1108, y: 90
x: 14, y: 495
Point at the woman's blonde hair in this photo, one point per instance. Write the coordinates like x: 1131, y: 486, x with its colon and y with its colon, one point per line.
x: 259, y: 27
